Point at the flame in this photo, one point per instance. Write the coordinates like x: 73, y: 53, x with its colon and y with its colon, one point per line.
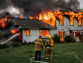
x: 44, y: 33
x: 2, y: 22
x: 15, y: 23
x: 79, y: 18
x: 41, y: 33
x: 61, y: 36
x: 49, y: 17
x: 6, y: 18
x: 30, y: 17
x: 13, y: 31
x: 76, y: 39
x: 71, y: 14
x: 20, y: 17
x: 27, y: 32
x: 59, y: 15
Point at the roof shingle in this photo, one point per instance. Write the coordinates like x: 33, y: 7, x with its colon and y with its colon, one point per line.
x: 33, y: 23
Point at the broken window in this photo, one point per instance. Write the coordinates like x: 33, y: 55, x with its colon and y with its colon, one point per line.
x: 27, y: 32
x: 44, y: 33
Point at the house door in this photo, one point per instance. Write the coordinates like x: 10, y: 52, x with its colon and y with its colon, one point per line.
x: 81, y: 37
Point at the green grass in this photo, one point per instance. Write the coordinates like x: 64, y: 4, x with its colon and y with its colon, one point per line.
x: 62, y: 53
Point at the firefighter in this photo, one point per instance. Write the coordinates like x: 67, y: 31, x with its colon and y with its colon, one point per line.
x: 49, y: 48
x: 38, y: 47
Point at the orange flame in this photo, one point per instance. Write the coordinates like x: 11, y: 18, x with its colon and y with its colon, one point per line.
x: 61, y: 36
x: 27, y: 32
x: 2, y: 25
x: 6, y: 18
x: 13, y: 31
x: 79, y: 18
x: 49, y: 17
x: 59, y: 15
x: 20, y: 17
x: 30, y: 17
x: 2, y: 22
x: 76, y: 39
x: 71, y: 14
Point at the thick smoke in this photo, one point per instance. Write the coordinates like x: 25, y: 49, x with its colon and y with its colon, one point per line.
x: 4, y: 4
x: 5, y: 32
x: 34, y: 7
x: 73, y: 4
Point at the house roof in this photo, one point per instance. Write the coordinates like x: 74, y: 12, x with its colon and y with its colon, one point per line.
x: 33, y: 23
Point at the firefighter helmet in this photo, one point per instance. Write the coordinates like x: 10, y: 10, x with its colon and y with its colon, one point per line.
x: 49, y: 37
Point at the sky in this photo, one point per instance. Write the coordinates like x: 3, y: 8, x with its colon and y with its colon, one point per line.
x: 81, y: 3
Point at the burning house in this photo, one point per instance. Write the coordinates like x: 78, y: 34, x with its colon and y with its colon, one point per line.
x: 50, y: 23
x: 40, y: 22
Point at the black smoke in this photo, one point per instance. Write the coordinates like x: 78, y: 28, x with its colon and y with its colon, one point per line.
x: 5, y: 32
x: 4, y: 4
x: 34, y: 7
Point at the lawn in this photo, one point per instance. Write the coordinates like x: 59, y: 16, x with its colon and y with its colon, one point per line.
x: 62, y: 53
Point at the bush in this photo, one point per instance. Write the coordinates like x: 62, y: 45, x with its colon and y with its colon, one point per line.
x: 4, y: 46
x: 24, y: 43
x: 69, y: 38
x: 16, y: 44
x: 56, y: 38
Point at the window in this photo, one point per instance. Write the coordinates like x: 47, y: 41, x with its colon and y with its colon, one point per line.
x: 76, y: 34
x: 72, y: 34
x: 61, y: 19
x: 71, y: 21
x: 79, y: 22
x: 27, y: 32
x: 44, y: 33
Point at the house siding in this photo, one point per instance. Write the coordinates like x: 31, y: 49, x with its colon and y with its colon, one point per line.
x: 34, y: 33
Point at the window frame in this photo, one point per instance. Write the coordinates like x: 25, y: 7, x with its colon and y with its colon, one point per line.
x: 29, y: 33
x: 42, y: 32
x: 81, y: 22
x: 73, y: 22
x: 59, y: 22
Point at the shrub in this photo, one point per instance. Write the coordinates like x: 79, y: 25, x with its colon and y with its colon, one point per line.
x: 24, y: 43
x: 16, y: 44
x: 29, y: 43
x: 4, y: 46
x: 69, y: 38
x: 56, y: 38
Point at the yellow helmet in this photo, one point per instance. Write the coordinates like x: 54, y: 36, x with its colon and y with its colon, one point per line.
x: 49, y: 37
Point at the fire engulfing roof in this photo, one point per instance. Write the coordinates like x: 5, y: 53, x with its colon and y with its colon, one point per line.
x: 33, y: 23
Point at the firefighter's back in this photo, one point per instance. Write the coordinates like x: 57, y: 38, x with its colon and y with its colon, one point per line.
x: 38, y: 44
